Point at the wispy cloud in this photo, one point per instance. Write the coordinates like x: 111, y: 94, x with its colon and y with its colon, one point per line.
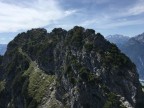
x: 96, y: 1
x: 137, y: 9
x: 37, y: 13
x: 117, y: 17
x: 122, y: 23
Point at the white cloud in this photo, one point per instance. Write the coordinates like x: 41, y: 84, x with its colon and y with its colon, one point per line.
x: 111, y: 22
x: 96, y: 1
x: 69, y: 12
x: 37, y: 13
x: 137, y: 8
x: 133, y: 10
x: 122, y: 23
x: 118, y: 17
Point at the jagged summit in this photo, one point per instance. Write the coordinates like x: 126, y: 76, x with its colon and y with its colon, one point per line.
x: 67, y: 69
x: 139, y: 38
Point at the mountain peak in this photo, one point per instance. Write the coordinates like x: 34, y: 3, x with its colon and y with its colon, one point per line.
x: 76, y: 68
x: 117, y: 38
x: 139, y: 37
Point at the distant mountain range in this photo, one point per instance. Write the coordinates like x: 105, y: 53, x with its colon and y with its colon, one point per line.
x: 133, y: 48
x: 3, y: 48
x: 120, y: 40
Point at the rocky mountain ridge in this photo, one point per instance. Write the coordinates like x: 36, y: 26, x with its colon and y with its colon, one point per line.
x: 67, y: 69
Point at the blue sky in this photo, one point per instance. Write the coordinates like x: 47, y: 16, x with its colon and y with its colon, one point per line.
x: 105, y: 16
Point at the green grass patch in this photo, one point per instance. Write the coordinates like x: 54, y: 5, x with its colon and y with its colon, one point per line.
x: 113, y: 101
x: 38, y: 82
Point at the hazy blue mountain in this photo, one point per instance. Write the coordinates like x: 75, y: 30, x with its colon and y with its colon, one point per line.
x: 118, y: 39
x: 3, y: 48
x: 140, y: 38
x: 133, y: 48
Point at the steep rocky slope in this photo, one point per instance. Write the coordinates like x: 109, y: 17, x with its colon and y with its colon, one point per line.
x: 67, y: 69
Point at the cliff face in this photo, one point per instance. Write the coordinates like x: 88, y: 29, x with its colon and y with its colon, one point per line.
x: 67, y: 69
